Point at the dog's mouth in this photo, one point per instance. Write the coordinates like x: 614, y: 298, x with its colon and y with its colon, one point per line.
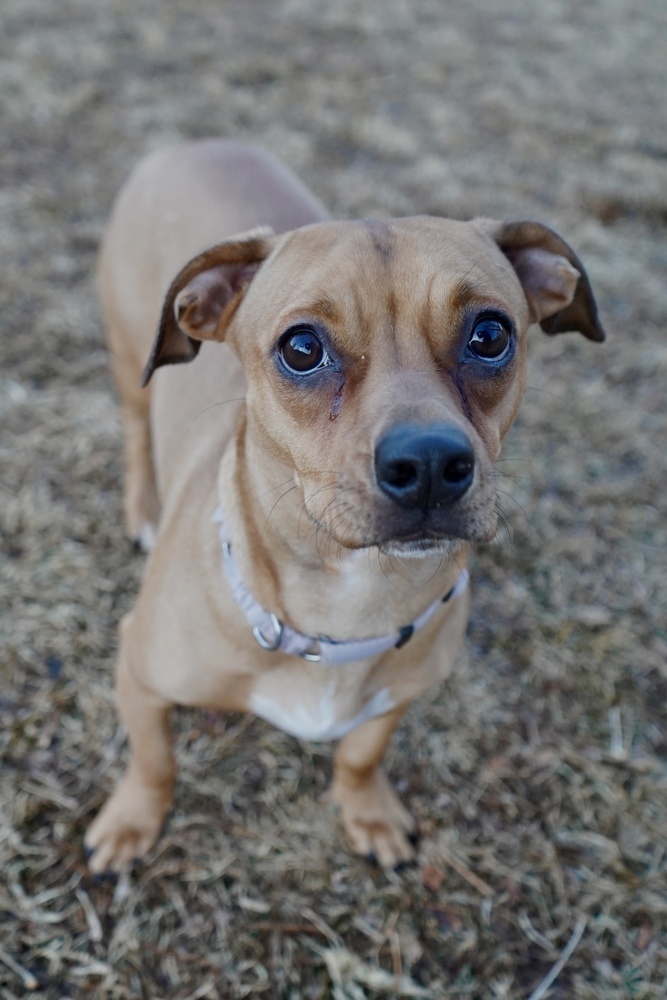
x: 436, y: 528
x: 422, y: 548
x: 431, y: 533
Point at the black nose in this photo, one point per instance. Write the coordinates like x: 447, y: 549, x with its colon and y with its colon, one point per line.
x: 424, y: 466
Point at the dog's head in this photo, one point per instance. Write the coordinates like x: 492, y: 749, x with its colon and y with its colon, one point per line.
x: 385, y: 360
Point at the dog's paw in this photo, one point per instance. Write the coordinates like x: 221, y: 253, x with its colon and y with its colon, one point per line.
x: 375, y: 821
x: 142, y: 513
x: 144, y: 539
x: 126, y: 828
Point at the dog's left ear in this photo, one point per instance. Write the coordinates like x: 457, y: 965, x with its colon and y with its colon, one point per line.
x: 204, y: 296
x: 553, y: 278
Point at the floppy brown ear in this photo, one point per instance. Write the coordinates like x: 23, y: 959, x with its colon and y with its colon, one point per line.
x: 204, y: 296
x: 553, y: 278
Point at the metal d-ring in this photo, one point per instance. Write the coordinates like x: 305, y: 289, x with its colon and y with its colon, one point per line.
x: 311, y: 657
x: 277, y: 627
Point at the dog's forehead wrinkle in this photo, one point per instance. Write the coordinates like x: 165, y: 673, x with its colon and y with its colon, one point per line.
x: 436, y: 273
x: 326, y: 306
x: 383, y: 239
x: 315, y: 306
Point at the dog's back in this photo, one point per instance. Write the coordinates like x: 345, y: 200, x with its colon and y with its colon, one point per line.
x: 176, y: 203
x: 182, y: 200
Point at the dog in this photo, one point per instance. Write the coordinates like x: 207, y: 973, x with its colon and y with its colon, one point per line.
x: 310, y: 485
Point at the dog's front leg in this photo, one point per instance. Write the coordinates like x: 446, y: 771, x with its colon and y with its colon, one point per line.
x: 374, y: 819
x: 131, y: 820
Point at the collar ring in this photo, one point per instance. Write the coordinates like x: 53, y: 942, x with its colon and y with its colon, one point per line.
x: 277, y: 626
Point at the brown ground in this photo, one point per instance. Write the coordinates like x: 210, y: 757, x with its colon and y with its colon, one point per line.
x: 539, y: 775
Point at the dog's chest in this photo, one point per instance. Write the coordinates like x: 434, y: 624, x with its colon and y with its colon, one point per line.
x: 316, y: 708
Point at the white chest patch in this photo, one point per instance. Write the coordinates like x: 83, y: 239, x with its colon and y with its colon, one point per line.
x: 319, y: 719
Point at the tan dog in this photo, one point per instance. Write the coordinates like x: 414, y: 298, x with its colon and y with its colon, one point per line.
x: 313, y: 534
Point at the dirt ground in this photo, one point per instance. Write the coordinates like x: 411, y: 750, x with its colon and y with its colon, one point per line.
x: 539, y: 774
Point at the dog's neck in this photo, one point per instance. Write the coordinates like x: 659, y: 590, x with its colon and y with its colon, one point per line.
x: 296, y: 570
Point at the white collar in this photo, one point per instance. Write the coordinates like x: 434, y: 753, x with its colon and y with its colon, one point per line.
x: 273, y: 634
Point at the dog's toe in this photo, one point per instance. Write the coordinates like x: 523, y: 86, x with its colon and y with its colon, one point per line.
x: 144, y: 541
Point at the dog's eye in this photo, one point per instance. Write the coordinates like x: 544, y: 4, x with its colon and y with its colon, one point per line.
x: 490, y: 339
x: 302, y: 351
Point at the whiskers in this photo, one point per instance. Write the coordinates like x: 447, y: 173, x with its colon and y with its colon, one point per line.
x: 215, y: 406
x: 339, y: 517
x: 505, y: 534
x: 282, y: 496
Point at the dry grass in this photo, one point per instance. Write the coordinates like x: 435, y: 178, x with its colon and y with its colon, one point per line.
x: 539, y: 775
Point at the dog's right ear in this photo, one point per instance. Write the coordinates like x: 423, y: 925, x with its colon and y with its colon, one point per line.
x: 204, y: 296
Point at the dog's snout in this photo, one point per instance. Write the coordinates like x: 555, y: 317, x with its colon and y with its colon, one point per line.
x: 424, y: 466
